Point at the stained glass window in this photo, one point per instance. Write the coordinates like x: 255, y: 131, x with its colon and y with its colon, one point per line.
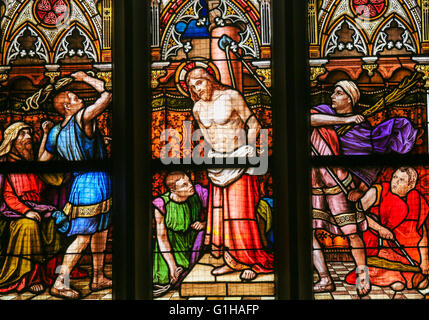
x: 369, y: 120
x: 211, y: 135
x: 55, y: 130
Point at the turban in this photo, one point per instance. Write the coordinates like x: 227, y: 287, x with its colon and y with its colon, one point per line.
x: 10, y: 135
x: 350, y: 89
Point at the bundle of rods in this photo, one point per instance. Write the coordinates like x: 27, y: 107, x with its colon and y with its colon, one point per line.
x: 395, y: 96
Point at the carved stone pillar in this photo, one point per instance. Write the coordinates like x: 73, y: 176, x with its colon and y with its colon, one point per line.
x: 425, y: 26
x: 220, y: 60
x: 107, y: 30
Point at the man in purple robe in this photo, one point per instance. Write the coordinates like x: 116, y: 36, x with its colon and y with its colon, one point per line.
x: 393, y: 135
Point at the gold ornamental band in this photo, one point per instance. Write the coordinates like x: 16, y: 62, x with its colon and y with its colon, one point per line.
x: 87, y: 211
x: 333, y: 190
x: 340, y: 220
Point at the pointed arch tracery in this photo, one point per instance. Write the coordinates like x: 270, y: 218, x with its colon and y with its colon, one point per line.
x: 411, y: 9
x: 409, y: 38
x: 358, y: 41
x: 183, y: 11
x: 13, y: 47
x: 62, y: 46
x: 93, y: 31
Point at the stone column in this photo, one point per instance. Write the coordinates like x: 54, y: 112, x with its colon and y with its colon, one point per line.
x: 219, y: 56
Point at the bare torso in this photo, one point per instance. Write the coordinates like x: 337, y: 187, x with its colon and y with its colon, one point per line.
x: 220, y: 121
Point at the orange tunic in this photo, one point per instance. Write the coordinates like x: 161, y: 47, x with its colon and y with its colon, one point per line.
x: 405, y: 218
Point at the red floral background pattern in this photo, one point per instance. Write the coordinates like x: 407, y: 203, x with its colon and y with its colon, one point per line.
x: 52, y: 12
x: 369, y: 8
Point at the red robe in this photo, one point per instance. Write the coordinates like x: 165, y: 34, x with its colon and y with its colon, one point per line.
x: 405, y: 218
x: 232, y: 228
x: 19, y: 188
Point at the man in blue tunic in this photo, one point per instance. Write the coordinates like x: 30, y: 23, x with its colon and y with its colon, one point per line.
x: 88, y: 209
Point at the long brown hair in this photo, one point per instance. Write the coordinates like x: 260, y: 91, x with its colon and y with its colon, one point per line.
x: 201, y: 73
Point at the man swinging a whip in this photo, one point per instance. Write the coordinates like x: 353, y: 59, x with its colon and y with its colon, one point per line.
x: 87, y: 214
x: 336, y: 130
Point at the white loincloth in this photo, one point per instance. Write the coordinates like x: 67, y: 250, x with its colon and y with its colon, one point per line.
x: 222, y: 177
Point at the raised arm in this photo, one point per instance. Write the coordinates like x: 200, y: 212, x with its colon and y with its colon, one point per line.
x: 44, y: 155
x: 102, y: 102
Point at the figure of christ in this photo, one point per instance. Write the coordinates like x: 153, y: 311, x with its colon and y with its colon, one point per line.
x: 393, y: 135
x: 34, y: 243
x: 88, y: 208
x: 396, y: 210
x: 231, y: 129
x: 179, y: 218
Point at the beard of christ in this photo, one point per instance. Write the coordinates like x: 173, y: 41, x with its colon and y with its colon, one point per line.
x: 206, y: 95
x: 213, y: 84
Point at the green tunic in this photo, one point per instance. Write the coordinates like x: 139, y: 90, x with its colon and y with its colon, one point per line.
x: 178, y: 220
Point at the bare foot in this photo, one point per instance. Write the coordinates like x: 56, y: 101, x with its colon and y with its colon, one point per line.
x: 37, y: 288
x: 424, y: 284
x: 59, y: 289
x: 101, y: 284
x: 363, y: 284
x: 222, y: 270
x: 66, y: 293
x: 248, y: 275
x: 397, y: 286
x: 324, y: 285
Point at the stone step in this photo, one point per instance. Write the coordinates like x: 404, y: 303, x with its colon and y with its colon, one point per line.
x: 201, y: 283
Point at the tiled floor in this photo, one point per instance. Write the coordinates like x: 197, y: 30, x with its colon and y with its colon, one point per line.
x: 338, y: 271
x: 200, y: 284
x: 345, y: 291
x: 81, y: 285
